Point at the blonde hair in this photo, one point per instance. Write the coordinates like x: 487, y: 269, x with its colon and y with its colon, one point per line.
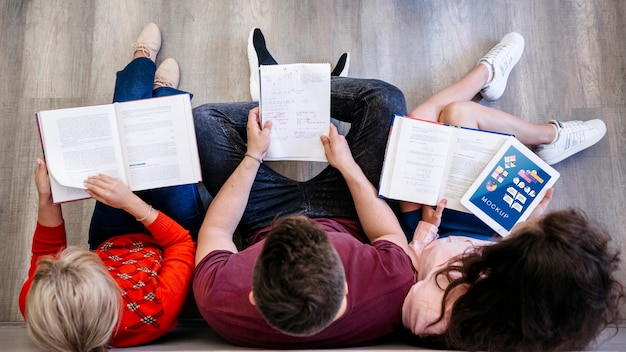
x: 73, y: 304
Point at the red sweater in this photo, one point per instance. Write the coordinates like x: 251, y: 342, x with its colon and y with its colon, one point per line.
x: 154, y: 273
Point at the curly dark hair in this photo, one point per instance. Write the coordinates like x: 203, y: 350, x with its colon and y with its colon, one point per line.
x: 549, y: 286
x: 298, y: 282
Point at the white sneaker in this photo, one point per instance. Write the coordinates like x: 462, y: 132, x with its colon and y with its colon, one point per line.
x: 572, y: 137
x: 501, y: 58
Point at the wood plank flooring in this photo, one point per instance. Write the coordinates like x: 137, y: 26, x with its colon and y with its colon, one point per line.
x: 63, y: 53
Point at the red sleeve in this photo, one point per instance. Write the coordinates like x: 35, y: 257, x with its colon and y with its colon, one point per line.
x: 179, y: 252
x: 46, y: 241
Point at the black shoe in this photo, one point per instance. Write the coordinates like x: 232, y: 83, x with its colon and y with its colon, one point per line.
x: 257, y: 55
x: 343, y: 65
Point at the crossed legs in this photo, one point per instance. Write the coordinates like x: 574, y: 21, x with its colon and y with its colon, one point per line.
x: 453, y: 106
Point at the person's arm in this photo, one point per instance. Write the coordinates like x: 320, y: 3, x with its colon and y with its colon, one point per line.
x: 178, y: 248
x: 542, y: 206
x: 426, y: 231
x: 48, y: 213
x: 376, y: 217
x: 49, y: 237
x: 227, y: 207
x: 113, y: 192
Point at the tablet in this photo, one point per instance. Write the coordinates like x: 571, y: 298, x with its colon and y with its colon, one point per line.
x: 510, y: 187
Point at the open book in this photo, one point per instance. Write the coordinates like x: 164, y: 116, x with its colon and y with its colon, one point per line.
x: 296, y: 98
x: 426, y: 161
x: 148, y: 143
x: 510, y: 187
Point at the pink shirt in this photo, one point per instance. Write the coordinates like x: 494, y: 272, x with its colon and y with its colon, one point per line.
x: 422, y: 305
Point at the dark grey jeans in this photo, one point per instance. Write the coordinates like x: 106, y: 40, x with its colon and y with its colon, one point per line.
x: 368, y: 105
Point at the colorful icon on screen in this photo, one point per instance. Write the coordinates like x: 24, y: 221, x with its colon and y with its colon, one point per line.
x: 510, y: 161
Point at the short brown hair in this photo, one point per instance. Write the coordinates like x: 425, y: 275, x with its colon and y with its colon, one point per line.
x: 298, y: 280
x: 549, y: 286
x: 73, y: 303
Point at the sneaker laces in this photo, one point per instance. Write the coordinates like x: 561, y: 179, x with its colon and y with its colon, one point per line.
x: 499, y: 55
x: 160, y: 81
x: 145, y: 48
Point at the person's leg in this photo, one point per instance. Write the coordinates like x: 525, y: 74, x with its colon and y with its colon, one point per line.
x: 133, y: 82
x: 462, y: 90
x: 369, y: 106
x: 221, y: 133
x: 488, y: 77
x: 258, y: 55
x: 167, y: 79
x: 453, y: 223
x: 181, y: 203
x: 470, y: 114
x: 554, y: 141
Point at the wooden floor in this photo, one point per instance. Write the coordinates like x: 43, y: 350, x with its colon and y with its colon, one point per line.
x: 64, y: 53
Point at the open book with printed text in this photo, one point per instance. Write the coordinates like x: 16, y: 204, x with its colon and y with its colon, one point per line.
x: 426, y: 161
x: 148, y: 143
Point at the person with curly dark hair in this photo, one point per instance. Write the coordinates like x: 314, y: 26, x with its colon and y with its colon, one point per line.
x: 550, y: 285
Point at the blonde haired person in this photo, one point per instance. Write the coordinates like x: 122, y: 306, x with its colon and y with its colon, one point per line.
x: 89, y: 316
x: 130, y: 289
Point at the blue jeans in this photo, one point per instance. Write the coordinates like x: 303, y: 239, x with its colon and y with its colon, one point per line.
x: 453, y: 223
x: 369, y: 107
x: 181, y: 203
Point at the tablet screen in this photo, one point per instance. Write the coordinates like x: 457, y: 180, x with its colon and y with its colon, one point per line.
x: 510, y: 187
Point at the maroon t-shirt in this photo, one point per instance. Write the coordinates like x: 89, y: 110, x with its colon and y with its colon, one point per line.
x: 379, y: 277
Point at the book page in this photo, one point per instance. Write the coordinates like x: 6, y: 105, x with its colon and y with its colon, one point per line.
x: 62, y: 194
x: 159, y: 142
x: 80, y: 142
x: 296, y: 98
x: 418, y: 158
x: 472, y: 151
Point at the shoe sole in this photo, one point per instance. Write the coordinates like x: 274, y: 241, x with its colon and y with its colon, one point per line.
x: 253, y: 61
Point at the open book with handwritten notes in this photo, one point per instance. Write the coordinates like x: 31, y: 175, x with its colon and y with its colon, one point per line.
x: 296, y: 97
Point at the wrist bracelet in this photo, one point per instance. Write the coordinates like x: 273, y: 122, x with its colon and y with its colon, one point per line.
x: 254, y: 157
x: 145, y: 217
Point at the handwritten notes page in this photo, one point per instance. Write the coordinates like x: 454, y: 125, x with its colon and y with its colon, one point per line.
x: 296, y: 98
